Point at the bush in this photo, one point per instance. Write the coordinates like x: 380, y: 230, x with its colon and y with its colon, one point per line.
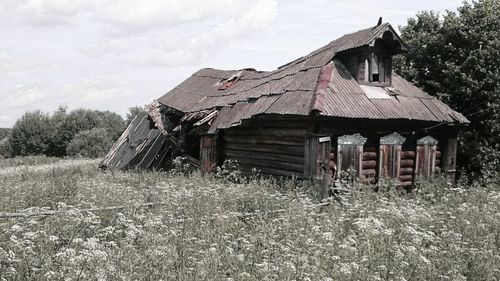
x: 68, y: 125
x: 38, y: 133
x: 91, y: 143
x: 5, y: 148
x: 31, y: 134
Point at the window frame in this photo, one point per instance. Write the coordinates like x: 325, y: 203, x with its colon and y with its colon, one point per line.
x: 355, y: 141
x: 384, y: 69
x: 425, y: 158
x: 390, y: 151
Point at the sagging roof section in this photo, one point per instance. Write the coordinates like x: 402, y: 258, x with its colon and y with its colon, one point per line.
x: 299, y: 87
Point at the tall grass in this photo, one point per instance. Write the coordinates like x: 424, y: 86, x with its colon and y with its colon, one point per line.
x: 436, y: 233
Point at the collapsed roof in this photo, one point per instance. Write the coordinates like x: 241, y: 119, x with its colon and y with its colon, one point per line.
x: 316, y: 82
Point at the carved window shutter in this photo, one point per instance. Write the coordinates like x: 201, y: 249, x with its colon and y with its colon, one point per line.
x: 426, y: 156
x: 390, y: 155
x: 350, y: 152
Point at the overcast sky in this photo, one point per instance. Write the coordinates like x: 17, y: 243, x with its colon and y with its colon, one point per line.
x: 114, y: 54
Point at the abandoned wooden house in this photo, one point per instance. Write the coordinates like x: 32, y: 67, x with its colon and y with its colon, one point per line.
x: 340, y: 107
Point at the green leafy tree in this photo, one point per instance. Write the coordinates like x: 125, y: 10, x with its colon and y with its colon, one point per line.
x: 457, y: 59
x: 31, y: 134
x: 4, y: 132
x: 91, y: 143
x: 133, y: 112
x: 5, y: 148
x: 67, y: 125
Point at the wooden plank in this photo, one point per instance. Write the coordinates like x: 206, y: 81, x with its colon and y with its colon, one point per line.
x: 369, y: 155
x: 406, y: 171
x: 405, y: 178
x: 406, y: 183
x: 407, y: 163
x: 282, y: 149
x: 271, y: 171
x: 293, y: 141
x: 267, y: 132
x: 369, y: 164
x: 236, y: 154
x: 368, y: 172
x: 407, y: 154
x: 370, y: 149
x: 271, y: 164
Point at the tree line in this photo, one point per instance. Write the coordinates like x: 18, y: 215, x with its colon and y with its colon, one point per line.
x: 456, y: 57
x: 81, y: 132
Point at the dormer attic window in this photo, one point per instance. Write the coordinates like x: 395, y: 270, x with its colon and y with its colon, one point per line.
x: 377, y: 69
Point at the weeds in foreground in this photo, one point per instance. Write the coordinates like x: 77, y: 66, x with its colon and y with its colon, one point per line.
x: 435, y: 233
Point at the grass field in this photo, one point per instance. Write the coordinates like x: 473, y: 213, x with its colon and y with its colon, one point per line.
x: 199, y: 231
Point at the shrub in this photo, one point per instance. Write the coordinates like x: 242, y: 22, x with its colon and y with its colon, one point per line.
x: 68, y: 125
x: 5, y: 148
x: 91, y: 143
x: 31, y: 134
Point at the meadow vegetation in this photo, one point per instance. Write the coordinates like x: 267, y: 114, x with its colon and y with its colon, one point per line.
x: 203, y: 230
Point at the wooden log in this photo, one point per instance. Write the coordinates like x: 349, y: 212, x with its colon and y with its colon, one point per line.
x: 237, y: 154
x: 293, y: 141
x: 406, y: 183
x: 370, y: 149
x: 369, y: 180
x: 267, y: 148
x: 271, y: 164
x: 407, y: 163
x: 368, y: 172
x: 407, y: 154
x: 369, y: 155
x: 369, y: 164
x: 405, y: 178
x: 267, y: 132
x: 272, y: 171
x: 406, y: 171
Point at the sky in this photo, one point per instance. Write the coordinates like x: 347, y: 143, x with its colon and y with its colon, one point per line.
x: 115, y: 54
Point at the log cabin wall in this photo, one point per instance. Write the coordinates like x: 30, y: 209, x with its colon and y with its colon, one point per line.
x: 373, y: 131
x: 275, y: 147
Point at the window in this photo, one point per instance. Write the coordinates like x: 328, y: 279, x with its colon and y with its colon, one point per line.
x: 426, y: 156
x: 377, y: 69
x: 390, y: 155
x: 350, y: 153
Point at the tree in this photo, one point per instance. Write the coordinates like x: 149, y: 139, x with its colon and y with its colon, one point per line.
x: 5, y: 148
x: 457, y: 58
x: 133, y: 112
x: 31, y: 134
x: 4, y: 132
x: 67, y: 125
x: 91, y: 143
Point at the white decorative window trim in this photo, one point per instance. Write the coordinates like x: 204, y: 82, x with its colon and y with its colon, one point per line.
x: 427, y: 140
x: 355, y: 139
x: 392, y: 139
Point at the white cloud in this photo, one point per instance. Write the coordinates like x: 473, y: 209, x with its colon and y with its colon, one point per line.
x: 113, y: 54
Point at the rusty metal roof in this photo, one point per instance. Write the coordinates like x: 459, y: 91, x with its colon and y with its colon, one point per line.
x: 293, y: 89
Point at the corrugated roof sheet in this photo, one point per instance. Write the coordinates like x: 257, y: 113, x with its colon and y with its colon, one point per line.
x: 290, y: 90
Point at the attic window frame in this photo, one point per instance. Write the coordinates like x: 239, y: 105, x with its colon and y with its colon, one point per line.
x: 384, y: 63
